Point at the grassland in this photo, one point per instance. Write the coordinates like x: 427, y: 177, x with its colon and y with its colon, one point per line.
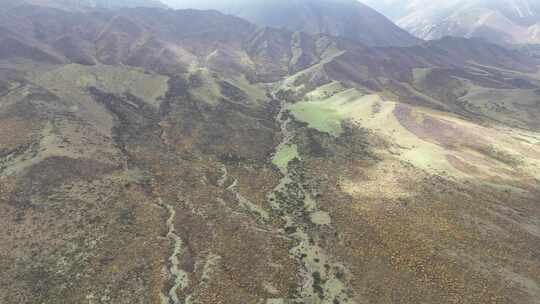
x: 328, y: 113
x: 114, y: 79
x: 205, y: 87
x: 434, y: 141
x: 284, y: 154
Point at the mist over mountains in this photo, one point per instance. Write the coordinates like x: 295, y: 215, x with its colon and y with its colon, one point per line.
x: 343, y: 18
x: 88, y: 4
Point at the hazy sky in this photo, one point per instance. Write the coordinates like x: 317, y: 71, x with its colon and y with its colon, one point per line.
x: 392, y: 8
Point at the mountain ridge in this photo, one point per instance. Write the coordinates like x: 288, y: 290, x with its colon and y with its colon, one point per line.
x: 345, y: 18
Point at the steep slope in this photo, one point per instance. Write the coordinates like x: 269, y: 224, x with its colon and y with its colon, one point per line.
x: 343, y: 18
x: 166, y: 41
x: 192, y: 157
x: 500, y: 21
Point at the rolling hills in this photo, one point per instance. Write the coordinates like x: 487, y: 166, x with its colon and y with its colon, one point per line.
x: 159, y: 156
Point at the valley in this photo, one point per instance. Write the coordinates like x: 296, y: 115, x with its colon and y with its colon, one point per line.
x: 194, y: 157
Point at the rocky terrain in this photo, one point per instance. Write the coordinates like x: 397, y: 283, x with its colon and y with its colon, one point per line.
x: 159, y: 156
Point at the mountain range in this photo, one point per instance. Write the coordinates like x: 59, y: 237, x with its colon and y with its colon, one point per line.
x: 344, y: 18
x: 151, y: 155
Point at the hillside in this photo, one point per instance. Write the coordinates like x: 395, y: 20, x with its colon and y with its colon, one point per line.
x: 160, y: 156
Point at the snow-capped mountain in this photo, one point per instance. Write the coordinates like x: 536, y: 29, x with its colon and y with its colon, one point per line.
x: 501, y: 21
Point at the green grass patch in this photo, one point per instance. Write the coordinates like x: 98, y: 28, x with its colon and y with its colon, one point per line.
x: 284, y: 154
x: 326, y: 115
x: 318, y: 116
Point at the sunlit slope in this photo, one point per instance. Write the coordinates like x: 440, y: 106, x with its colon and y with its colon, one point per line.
x: 434, y: 141
x: 436, y: 197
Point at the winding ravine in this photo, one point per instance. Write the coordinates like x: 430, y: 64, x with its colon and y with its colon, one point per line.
x: 179, y: 277
x: 321, y: 275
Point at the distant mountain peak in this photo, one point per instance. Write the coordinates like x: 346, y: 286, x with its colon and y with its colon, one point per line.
x: 499, y: 21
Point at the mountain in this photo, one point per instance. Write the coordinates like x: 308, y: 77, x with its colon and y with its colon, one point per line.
x: 499, y: 21
x: 343, y: 18
x: 157, y: 156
